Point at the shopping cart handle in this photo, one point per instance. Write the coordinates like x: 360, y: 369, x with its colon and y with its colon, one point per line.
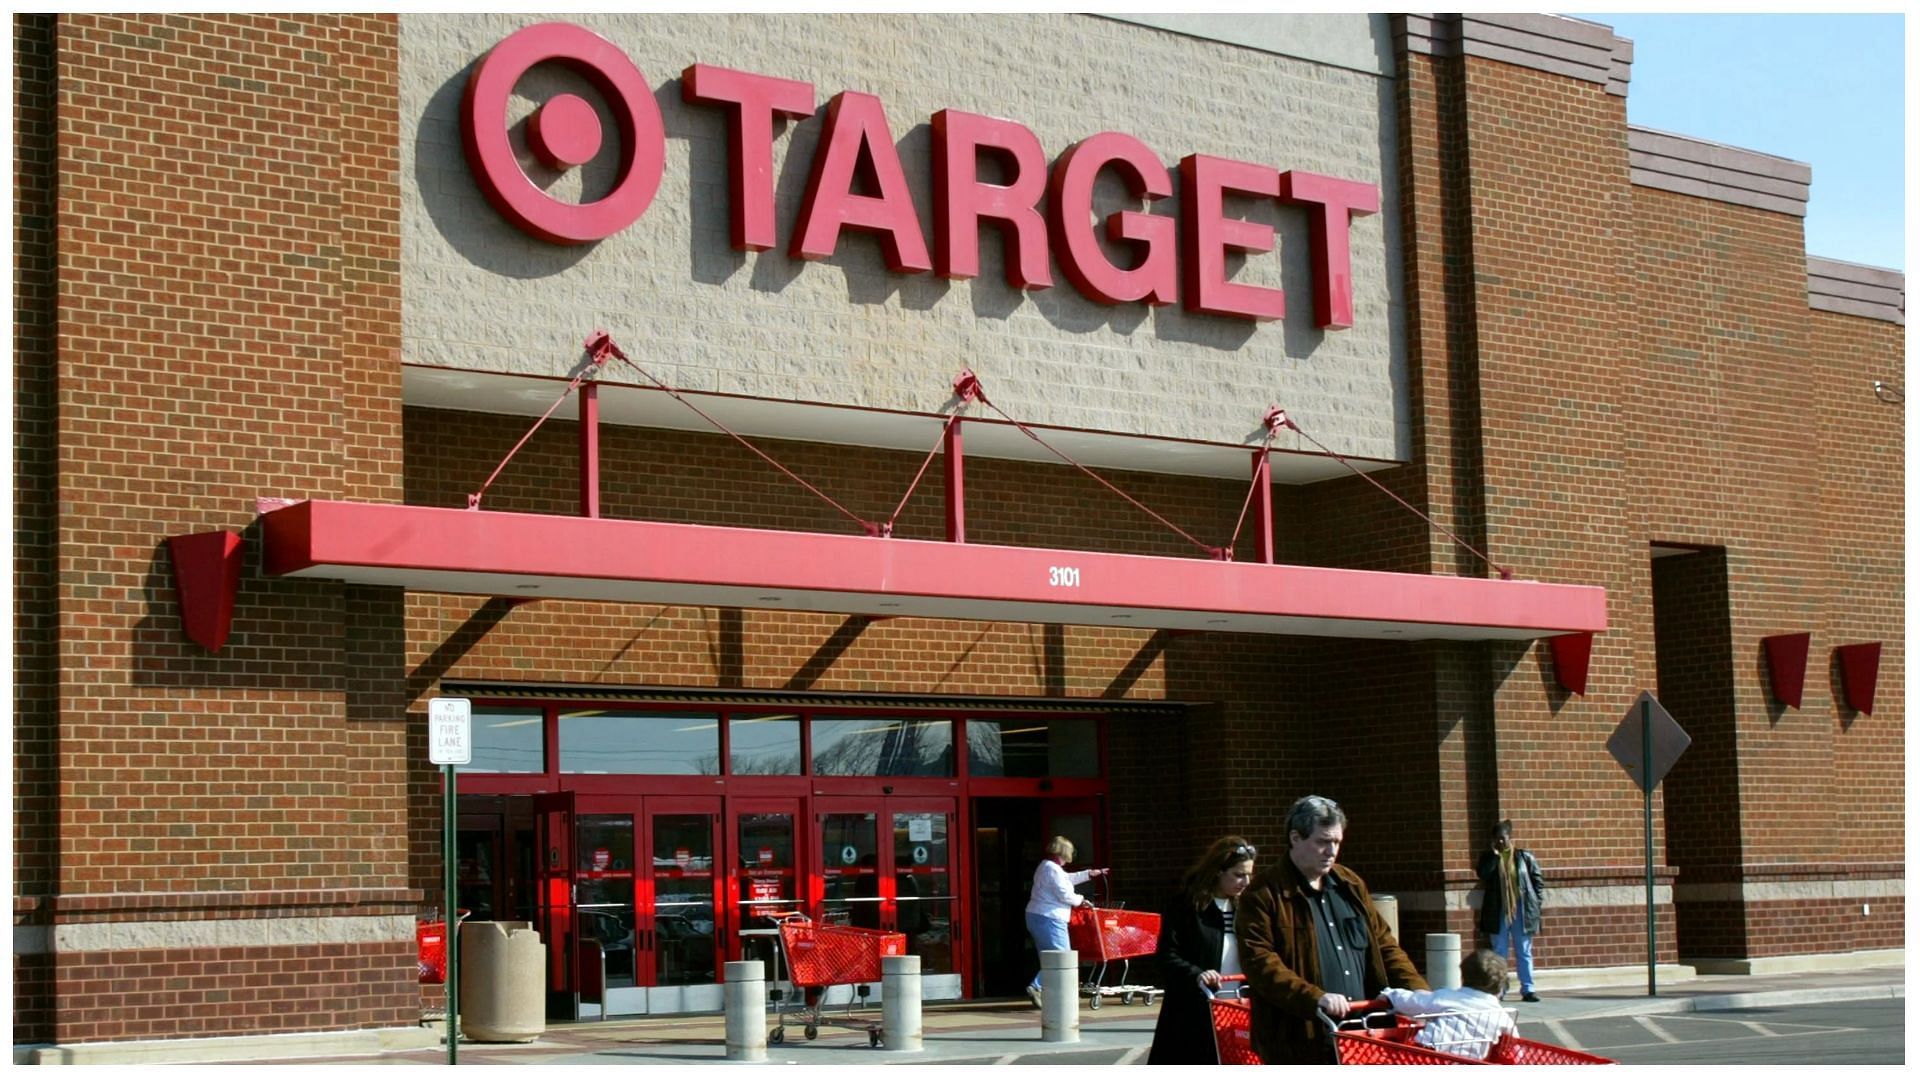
x: 1224, y: 980
x: 1358, y: 1014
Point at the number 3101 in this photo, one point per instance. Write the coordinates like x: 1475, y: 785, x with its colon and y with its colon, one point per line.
x: 1064, y: 577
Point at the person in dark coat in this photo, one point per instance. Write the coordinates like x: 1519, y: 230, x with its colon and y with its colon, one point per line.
x: 1296, y: 972
x: 1198, y: 946
x: 1511, y: 892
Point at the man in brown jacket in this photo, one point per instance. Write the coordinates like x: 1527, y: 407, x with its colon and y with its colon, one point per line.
x: 1311, y: 941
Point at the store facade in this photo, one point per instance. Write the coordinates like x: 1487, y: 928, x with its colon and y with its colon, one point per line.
x: 1436, y: 413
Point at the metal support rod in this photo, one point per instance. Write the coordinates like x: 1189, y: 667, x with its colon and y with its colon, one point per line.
x: 450, y: 858
x: 956, y: 469
x: 1263, y: 503
x: 1646, y: 784
x: 590, y: 450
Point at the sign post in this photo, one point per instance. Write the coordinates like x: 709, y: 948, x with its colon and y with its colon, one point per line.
x: 449, y: 744
x: 1646, y: 744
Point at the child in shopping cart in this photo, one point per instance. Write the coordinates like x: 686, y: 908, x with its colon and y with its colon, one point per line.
x: 1466, y: 1021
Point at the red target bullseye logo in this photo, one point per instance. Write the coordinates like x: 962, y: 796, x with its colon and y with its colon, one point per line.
x: 564, y: 132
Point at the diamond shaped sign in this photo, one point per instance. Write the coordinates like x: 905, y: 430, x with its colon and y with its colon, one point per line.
x: 1669, y: 741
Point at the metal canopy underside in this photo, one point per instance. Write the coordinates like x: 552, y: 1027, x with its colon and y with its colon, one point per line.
x: 539, y: 556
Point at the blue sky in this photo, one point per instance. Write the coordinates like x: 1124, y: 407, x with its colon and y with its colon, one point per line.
x: 1828, y: 90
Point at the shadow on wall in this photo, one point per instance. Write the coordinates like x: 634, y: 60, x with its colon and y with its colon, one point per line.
x: 461, y: 214
x: 274, y: 620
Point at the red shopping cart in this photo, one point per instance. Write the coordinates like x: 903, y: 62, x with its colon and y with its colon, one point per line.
x: 821, y: 955
x: 1374, y: 1037
x: 1102, y: 935
x: 1360, y: 1042
x: 430, y: 941
x: 1232, y: 1021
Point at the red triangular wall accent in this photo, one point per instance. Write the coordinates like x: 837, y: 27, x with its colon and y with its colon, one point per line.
x: 1859, y: 673
x: 1787, y: 666
x: 206, y: 575
x: 1571, y: 654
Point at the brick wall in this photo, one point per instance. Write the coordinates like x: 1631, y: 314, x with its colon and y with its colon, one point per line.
x: 1740, y: 361
x: 227, y: 236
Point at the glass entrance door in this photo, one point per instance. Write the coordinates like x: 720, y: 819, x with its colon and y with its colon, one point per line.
x: 681, y: 938
x: 644, y: 888
x: 766, y: 876
x: 923, y: 881
x: 888, y: 864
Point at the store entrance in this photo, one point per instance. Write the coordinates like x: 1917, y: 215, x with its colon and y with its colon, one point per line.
x: 887, y: 864
x: 644, y: 888
x: 1009, y: 836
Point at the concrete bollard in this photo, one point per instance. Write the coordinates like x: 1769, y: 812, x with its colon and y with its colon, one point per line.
x: 1388, y: 906
x: 1059, y: 996
x: 746, y: 998
x: 900, y: 1027
x: 1443, y: 961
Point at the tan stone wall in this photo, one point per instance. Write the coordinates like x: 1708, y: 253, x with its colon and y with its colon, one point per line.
x: 481, y: 295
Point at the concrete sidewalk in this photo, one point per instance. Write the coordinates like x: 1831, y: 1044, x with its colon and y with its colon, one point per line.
x: 1001, y: 1032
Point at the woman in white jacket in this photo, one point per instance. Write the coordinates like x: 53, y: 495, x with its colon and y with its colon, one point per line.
x: 1052, y: 900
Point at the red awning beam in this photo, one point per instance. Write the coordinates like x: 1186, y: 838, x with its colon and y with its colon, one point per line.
x: 600, y: 348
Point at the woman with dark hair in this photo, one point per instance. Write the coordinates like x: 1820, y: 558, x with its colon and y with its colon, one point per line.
x: 1198, y: 946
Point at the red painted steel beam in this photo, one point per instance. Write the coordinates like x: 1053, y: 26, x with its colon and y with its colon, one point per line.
x: 500, y: 554
x: 956, y: 475
x: 589, y: 450
x: 206, y: 577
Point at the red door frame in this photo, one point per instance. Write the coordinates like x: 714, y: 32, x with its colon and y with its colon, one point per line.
x: 736, y: 918
x: 883, y: 807
x: 553, y: 897
x: 712, y: 806
x: 644, y: 809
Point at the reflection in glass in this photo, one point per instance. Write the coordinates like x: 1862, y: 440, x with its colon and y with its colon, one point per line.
x: 603, y: 889
x: 764, y: 745
x: 683, y: 899
x: 923, y: 888
x: 478, y: 871
x: 851, y: 870
x: 653, y: 744
x: 1056, y: 747
x: 875, y: 746
x: 507, y: 740
x: 768, y: 882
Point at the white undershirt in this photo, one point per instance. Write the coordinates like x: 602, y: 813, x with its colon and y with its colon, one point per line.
x: 1229, y: 941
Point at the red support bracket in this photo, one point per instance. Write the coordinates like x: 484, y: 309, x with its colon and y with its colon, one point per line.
x: 966, y: 386
x: 1787, y: 666
x: 206, y: 576
x: 1572, y: 654
x: 1859, y: 673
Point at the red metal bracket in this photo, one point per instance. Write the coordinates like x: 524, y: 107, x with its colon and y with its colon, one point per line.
x: 1787, y: 666
x: 206, y: 576
x: 1859, y: 673
x: 1571, y: 655
x: 966, y: 386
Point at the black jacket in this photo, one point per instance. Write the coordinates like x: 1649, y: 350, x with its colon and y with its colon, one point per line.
x: 1190, y: 941
x: 1532, y: 889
